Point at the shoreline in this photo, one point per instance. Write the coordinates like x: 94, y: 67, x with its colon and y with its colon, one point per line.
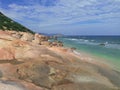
x: 97, y: 59
x: 87, y: 56
x: 51, y: 66
x: 94, y: 66
x: 90, y: 58
x: 108, y: 54
x: 83, y: 56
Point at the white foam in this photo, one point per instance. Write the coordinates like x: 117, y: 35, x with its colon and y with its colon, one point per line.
x: 75, y: 52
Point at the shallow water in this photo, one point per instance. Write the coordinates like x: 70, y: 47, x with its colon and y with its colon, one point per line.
x: 106, y: 47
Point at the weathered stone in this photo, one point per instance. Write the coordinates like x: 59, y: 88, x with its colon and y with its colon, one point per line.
x: 9, y: 85
x: 57, y: 43
x: 36, y: 73
x: 47, y: 43
x: 36, y: 39
x: 40, y: 38
x: 27, y: 37
x: 7, y: 53
x: 52, y: 68
x: 82, y: 86
x: 6, y: 36
x: 14, y: 34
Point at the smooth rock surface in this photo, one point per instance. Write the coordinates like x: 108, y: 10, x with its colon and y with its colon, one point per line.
x: 25, y: 65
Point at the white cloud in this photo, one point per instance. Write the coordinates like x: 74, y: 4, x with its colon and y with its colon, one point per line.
x: 65, y: 12
x: 17, y: 7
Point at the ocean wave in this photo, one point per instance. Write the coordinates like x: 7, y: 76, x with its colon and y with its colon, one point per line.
x: 71, y: 39
x: 75, y: 52
x: 88, y: 42
x: 83, y: 41
x: 92, y: 40
x: 74, y: 39
x: 108, y: 44
x: 114, y: 46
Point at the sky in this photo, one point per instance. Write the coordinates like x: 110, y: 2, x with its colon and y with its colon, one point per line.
x: 70, y: 17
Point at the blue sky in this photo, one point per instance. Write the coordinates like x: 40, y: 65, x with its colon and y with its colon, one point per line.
x: 78, y: 17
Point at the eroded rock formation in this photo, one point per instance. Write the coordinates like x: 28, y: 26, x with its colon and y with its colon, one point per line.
x: 25, y: 65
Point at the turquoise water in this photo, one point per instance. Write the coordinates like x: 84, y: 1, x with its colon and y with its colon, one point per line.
x: 109, y: 50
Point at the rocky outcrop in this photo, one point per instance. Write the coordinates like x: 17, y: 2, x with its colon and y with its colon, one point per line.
x: 57, y: 44
x: 36, y: 39
x: 27, y: 37
x: 6, y: 36
x: 47, y: 43
x: 14, y: 34
x: 7, y: 54
x: 40, y: 39
x: 24, y: 36
x: 25, y: 65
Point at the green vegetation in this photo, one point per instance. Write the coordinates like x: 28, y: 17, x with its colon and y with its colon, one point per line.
x: 8, y: 24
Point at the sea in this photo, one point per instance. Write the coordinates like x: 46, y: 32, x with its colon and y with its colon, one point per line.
x: 104, y: 47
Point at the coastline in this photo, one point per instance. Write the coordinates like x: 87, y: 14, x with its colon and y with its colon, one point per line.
x: 104, y: 68
x: 93, y: 59
x: 91, y: 45
x: 99, y: 60
x: 50, y: 66
x: 87, y: 56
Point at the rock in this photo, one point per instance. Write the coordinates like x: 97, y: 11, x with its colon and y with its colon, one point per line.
x: 47, y: 43
x: 73, y: 48
x: 6, y: 36
x: 102, y: 44
x: 1, y: 74
x: 39, y: 67
x: 57, y: 75
x: 9, y: 85
x: 82, y: 86
x: 14, y: 34
x: 7, y: 53
x: 27, y: 37
x: 36, y: 39
x: 39, y: 38
x: 17, y: 35
x: 6, y: 84
x: 43, y: 38
x: 36, y: 73
x: 19, y: 43
x: 57, y: 43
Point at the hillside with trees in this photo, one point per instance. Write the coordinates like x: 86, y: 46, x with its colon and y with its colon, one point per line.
x: 8, y: 24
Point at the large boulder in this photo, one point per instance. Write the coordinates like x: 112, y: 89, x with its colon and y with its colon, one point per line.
x: 43, y: 38
x: 36, y: 39
x: 27, y: 36
x: 39, y: 38
x: 57, y: 43
x: 47, y: 43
